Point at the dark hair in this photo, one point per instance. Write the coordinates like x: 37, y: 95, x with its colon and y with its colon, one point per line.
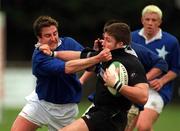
x: 111, y: 21
x: 43, y: 21
x: 120, y: 31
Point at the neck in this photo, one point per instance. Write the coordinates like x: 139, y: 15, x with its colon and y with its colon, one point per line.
x: 150, y: 35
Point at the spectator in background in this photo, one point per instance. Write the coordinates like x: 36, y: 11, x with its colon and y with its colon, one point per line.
x: 58, y: 90
x: 167, y: 47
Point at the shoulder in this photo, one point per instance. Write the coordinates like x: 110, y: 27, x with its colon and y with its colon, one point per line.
x: 137, y: 46
x: 65, y: 39
x: 71, y: 44
x: 68, y: 40
x: 169, y: 37
x: 135, y: 32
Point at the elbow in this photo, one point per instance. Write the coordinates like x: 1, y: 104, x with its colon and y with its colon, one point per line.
x: 144, y: 98
x: 144, y: 95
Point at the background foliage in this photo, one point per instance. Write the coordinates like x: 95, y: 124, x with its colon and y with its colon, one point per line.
x: 81, y: 19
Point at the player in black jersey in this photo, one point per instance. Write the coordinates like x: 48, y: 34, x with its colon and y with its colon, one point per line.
x: 110, y: 112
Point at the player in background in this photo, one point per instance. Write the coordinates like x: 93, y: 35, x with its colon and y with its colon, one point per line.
x: 166, y: 46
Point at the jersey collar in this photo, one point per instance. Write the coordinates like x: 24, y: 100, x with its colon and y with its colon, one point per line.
x: 156, y: 37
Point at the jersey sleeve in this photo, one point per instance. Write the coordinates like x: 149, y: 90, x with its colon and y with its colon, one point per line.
x: 149, y: 59
x: 45, y: 65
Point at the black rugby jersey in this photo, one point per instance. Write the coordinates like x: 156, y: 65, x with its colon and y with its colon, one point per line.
x: 136, y: 74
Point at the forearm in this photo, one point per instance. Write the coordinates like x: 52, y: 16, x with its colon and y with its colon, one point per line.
x: 153, y: 73
x: 169, y: 76
x: 67, y: 55
x: 81, y: 64
x: 137, y: 94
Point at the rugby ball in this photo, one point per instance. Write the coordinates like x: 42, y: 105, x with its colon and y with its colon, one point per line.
x: 121, y: 75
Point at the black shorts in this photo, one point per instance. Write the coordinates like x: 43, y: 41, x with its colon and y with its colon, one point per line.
x: 105, y: 120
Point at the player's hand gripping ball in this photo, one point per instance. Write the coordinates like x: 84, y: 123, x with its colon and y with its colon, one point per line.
x: 120, y: 73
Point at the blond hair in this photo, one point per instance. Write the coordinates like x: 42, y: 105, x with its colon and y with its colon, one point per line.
x: 152, y: 9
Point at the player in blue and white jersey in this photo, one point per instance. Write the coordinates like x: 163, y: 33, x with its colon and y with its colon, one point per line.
x: 53, y: 103
x: 166, y: 46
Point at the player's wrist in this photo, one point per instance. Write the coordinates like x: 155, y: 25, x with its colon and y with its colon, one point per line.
x: 118, y: 85
x: 53, y: 53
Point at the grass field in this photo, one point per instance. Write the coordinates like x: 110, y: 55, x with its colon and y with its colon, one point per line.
x: 168, y: 121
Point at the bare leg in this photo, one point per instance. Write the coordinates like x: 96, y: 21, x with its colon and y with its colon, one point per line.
x: 22, y: 124
x: 146, y: 119
x: 132, y: 124
x: 132, y: 116
x: 78, y: 125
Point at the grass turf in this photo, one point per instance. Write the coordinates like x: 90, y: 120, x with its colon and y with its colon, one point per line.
x: 168, y: 121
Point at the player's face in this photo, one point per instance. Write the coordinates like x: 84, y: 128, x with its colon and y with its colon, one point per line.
x: 109, y: 41
x: 151, y: 23
x: 49, y: 35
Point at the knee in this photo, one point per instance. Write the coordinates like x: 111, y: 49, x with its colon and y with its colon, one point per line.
x: 143, y: 127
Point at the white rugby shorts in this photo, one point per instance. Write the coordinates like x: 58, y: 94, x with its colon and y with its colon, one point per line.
x: 155, y: 101
x: 54, y: 116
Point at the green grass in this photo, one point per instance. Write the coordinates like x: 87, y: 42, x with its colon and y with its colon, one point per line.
x: 168, y: 121
x: 9, y: 116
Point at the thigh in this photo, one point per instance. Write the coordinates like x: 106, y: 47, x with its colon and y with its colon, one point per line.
x: 22, y: 124
x: 133, y: 114
x: 147, y: 118
x: 151, y: 111
x: 78, y: 125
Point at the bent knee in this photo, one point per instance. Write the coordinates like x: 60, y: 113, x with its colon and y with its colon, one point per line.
x: 143, y: 127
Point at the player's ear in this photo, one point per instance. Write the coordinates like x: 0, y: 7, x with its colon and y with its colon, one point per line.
x: 120, y: 44
x: 39, y: 39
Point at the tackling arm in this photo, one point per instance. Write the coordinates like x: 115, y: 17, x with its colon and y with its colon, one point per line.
x: 64, y: 55
x: 73, y: 66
